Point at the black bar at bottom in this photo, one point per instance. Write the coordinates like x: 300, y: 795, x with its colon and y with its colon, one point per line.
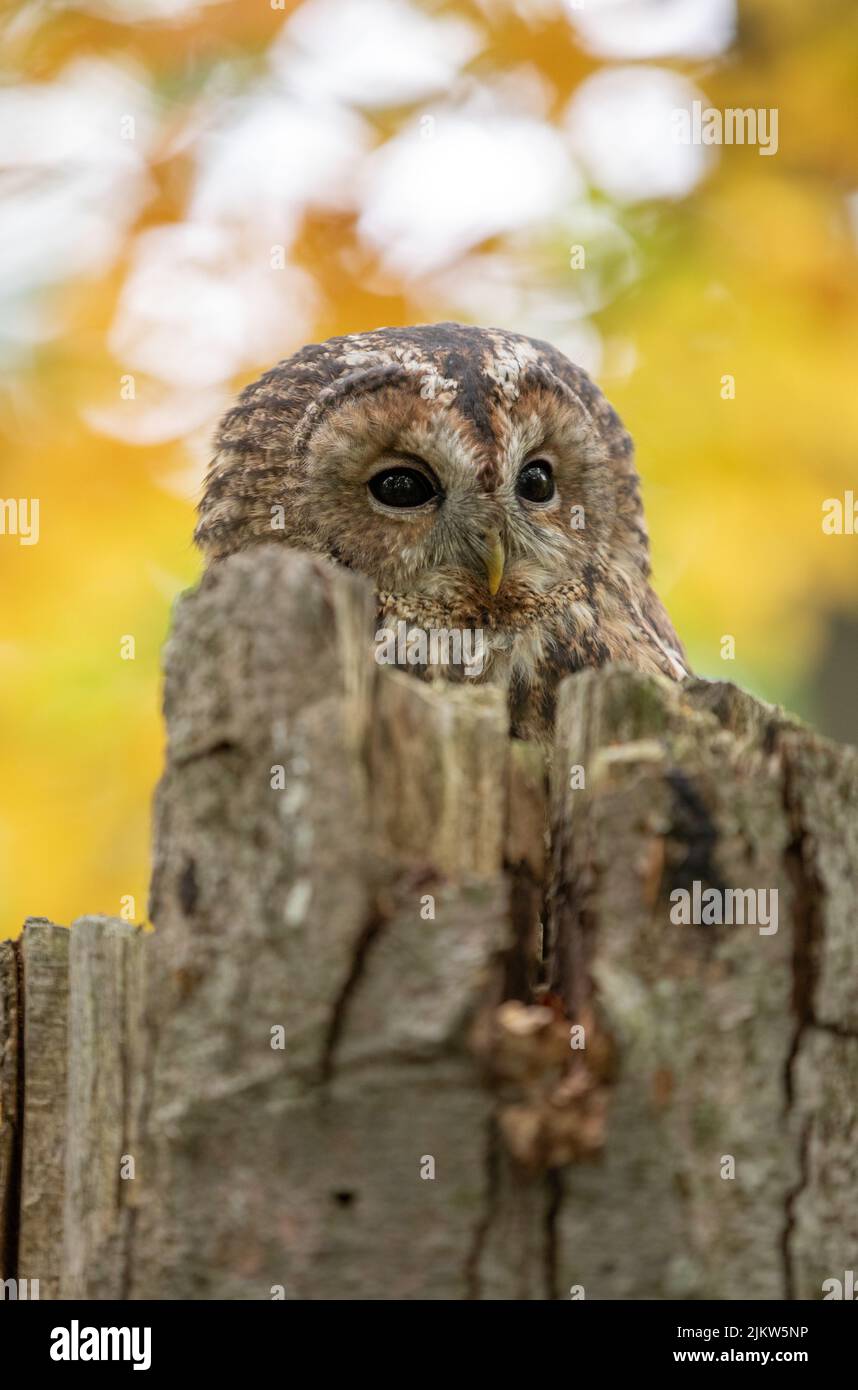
x: 249, y: 1339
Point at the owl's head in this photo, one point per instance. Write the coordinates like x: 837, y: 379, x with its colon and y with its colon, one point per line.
x: 467, y: 471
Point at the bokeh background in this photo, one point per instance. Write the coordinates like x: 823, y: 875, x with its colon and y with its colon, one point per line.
x: 190, y: 191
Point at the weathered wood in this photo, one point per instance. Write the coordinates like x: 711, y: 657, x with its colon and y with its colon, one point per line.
x: 362, y: 908
x: 354, y: 1068
x: 104, y: 1058
x: 404, y: 868
x: 822, y: 1231
x: 525, y: 858
x: 683, y: 784
x: 44, y: 972
x: 10, y: 1058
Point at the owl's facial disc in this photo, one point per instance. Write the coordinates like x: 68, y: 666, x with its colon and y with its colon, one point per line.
x: 452, y: 519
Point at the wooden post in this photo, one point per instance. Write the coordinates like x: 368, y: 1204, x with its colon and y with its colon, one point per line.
x: 43, y: 1003
x: 421, y: 1018
x: 332, y: 912
x: 10, y: 1123
x: 105, y: 1049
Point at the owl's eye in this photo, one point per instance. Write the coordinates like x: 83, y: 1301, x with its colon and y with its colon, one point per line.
x: 536, y: 481
x: 401, y: 487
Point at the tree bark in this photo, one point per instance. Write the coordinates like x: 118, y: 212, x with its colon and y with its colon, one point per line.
x: 105, y: 1047
x: 43, y: 1004
x: 10, y: 1122
x: 416, y: 1021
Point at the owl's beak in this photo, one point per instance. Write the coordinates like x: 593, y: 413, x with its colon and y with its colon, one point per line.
x: 494, y: 561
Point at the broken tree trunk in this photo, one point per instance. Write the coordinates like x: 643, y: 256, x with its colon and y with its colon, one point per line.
x: 396, y: 1041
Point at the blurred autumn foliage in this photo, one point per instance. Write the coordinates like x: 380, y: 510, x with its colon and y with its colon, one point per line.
x: 192, y: 190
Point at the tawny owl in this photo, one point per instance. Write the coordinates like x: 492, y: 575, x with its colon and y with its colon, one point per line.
x: 481, y: 481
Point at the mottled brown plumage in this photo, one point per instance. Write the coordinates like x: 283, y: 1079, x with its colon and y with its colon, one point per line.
x: 552, y: 584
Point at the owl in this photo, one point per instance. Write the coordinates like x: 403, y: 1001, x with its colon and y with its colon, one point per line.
x: 482, y: 483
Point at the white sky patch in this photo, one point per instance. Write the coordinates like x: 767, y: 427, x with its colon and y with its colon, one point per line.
x: 270, y: 156
x: 488, y: 288
x: 158, y: 414
x: 71, y: 183
x: 524, y: 90
x: 372, y: 53
x: 619, y: 125
x: 654, y: 28
x: 611, y: 259
x: 478, y: 174
x: 195, y: 309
